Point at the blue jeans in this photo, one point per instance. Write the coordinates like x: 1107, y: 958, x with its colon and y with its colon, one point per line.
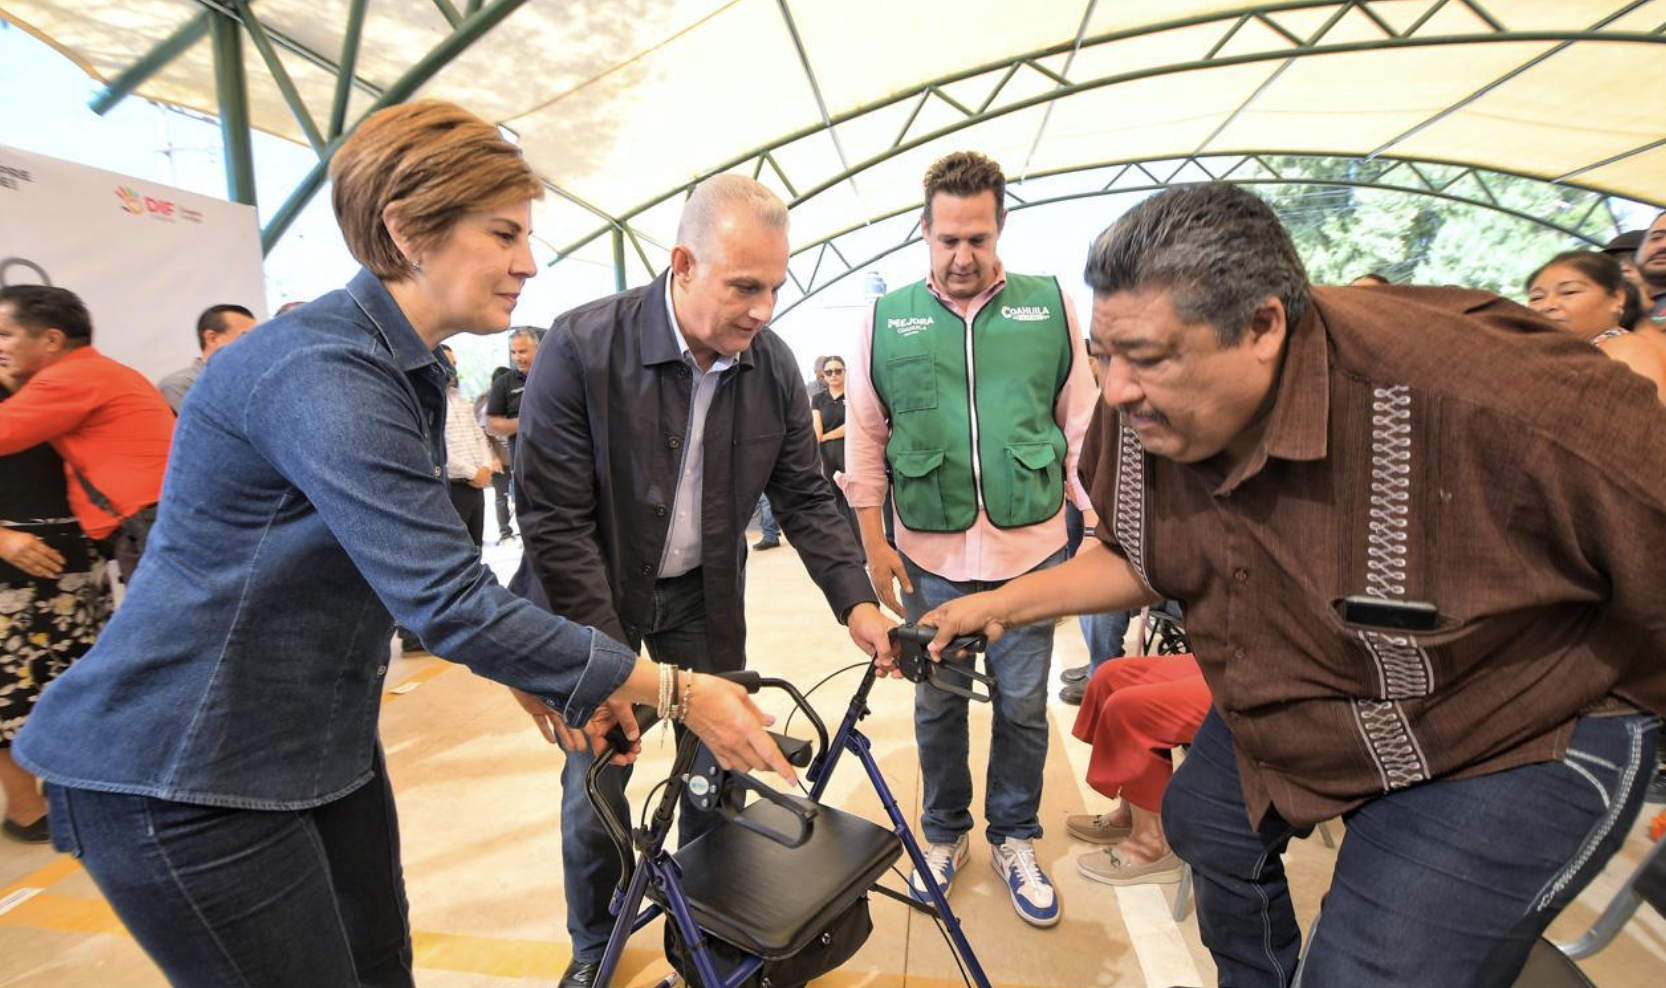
x: 1104, y: 634
x: 589, y: 864
x: 1018, y: 750
x: 250, y: 897
x: 766, y: 521
x: 1444, y: 883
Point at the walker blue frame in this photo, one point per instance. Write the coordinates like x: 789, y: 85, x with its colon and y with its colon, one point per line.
x: 655, y: 865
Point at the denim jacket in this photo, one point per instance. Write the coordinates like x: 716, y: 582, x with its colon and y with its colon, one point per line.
x: 304, y: 501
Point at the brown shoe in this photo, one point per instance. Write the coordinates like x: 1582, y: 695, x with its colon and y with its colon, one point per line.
x: 1096, y: 828
x: 1110, y: 866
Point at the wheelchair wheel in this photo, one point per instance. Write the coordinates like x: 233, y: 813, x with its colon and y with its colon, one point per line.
x: 1165, y: 634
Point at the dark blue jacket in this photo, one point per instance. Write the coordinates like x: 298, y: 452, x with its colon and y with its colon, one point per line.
x: 603, y: 419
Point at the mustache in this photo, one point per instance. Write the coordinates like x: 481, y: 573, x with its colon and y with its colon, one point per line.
x: 1143, y: 411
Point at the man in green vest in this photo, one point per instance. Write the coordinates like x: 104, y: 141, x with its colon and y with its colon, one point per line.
x: 967, y: 399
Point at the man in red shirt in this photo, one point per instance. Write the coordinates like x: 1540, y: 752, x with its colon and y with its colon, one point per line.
x: 109, y: 423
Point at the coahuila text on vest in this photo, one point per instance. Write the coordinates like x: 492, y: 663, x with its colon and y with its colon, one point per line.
x: 971, y: 407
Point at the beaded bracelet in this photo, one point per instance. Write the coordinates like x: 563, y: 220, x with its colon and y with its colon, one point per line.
x: 667, y: 691
x: 681, y: 713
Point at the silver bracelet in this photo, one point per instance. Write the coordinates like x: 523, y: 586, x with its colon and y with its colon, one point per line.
x: 682, y: 705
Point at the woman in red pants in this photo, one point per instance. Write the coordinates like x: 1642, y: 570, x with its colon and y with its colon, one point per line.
x: 1136, y: 711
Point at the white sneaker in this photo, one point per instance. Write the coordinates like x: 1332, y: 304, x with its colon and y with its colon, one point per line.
x: 943, y: 860
x: 1032, y: 894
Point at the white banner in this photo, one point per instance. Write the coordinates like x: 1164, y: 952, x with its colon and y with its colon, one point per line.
x: 146, y: 258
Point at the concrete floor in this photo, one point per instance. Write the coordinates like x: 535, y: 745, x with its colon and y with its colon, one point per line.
x: 478, y: 793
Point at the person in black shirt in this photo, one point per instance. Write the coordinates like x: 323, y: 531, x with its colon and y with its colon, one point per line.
x: 503, y: 413
x: 827, y: 411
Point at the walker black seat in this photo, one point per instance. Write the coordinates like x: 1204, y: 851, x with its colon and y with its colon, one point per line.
x: 777, y: 891
x: 773, y: 901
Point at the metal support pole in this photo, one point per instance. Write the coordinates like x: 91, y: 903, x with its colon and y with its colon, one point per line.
x: 233, y: 95
x: 280, y: 75
x: 139, y: 72
x: 449, y: 12
x: 344, y: 74
x: 471, y: 30
x: 618, y: 259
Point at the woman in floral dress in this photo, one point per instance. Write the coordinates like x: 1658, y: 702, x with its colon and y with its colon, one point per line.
x: 54, y: 599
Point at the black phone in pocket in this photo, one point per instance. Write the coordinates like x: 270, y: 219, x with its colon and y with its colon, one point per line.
x: 1381, y: 612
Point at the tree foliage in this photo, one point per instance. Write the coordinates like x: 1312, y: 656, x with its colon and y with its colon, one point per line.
x: 1345, y: 229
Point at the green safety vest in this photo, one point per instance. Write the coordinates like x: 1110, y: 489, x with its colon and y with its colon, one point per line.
x: 973, y: 420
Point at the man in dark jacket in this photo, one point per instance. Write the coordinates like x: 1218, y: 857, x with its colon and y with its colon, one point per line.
x: 651, y: 422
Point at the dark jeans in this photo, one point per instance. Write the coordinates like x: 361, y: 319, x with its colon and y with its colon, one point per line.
x: 247, y: 897
x: 590, y: 866
x: 767, y: 526
x: 470, y: 502
x: 1445, y: 883
x: 500, y: 486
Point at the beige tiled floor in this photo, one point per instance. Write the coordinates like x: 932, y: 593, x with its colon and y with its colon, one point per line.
x: 479, y: 792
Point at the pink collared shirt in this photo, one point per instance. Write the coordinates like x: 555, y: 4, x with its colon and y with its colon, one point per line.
x: 982, y: 552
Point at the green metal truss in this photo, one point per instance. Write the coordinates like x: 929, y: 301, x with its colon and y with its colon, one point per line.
x: 469, y: 20
x: 229, y: 20
x: 1592, y: 217
x: 1286, y: 48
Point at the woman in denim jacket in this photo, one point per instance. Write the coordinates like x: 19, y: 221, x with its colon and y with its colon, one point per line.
x: 213, y: 760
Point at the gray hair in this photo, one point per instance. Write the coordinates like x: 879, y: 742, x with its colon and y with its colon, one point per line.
x: 710, y: 197
x: 1217, y: 248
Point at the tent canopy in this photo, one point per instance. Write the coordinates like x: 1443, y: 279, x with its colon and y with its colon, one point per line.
x: 621, y: 105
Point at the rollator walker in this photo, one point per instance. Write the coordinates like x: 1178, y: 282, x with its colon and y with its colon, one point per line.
x: 777, y: 893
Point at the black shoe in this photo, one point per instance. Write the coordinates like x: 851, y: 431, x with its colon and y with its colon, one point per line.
x: 1656, y: 792
x: 580, y: 974
x: 1075, y: 674
x: 763, y: 544
x: 34, y: 833
x: 1073, y: 693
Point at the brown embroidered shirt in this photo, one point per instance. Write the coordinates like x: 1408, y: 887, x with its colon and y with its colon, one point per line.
x: 1426, y: 444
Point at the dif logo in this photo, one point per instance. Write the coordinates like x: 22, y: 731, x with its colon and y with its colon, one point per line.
x: 139, y: 205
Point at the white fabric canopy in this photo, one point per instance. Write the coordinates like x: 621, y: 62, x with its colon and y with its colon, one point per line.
x: 624, y: 103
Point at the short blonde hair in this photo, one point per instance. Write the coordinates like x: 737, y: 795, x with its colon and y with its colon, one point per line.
x: 711, y: 197
x: 433, y: 161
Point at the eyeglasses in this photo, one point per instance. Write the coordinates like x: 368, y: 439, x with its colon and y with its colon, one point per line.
x: 834, y: 370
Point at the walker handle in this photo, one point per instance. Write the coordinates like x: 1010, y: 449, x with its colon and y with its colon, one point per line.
x: 917, y: 665
x: 646, y: 717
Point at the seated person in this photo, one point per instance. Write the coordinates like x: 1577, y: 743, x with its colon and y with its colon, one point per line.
x: 1134, y: 714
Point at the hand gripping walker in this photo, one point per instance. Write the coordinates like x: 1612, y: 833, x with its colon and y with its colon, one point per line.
x: 777, y: 893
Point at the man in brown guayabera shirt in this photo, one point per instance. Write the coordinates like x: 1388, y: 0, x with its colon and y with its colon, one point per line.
x: 1419, y: 537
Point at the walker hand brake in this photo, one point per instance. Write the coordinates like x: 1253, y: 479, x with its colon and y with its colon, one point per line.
x: 917, y: 665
